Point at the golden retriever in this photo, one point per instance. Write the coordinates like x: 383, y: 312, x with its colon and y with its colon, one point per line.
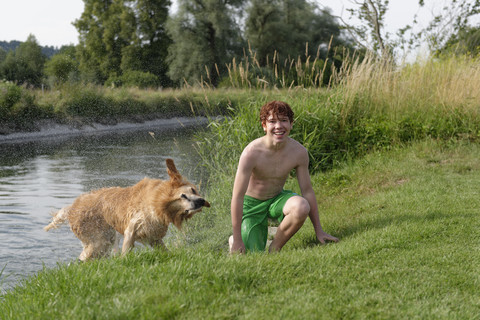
x: 141, y: 213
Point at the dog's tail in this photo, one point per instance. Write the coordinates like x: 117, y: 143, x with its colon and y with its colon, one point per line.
x: 58, y: 218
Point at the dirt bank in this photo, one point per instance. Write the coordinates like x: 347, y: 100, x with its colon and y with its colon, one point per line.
x: 50, y: 130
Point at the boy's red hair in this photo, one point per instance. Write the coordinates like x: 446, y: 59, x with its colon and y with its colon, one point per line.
x: 275, y: 108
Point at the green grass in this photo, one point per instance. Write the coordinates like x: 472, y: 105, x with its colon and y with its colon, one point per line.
x: 410, y: 248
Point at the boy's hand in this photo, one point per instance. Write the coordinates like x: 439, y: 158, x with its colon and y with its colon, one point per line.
x: 236, y: 246
x: 322, y: 236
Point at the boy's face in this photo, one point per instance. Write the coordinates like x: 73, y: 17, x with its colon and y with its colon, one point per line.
x: 277, y: 127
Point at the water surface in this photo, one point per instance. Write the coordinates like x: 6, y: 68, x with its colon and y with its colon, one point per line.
x: 37, y: 178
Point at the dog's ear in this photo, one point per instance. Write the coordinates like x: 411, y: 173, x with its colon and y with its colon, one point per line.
x: 172, y: 170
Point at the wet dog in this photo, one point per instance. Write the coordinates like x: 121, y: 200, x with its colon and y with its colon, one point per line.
x: 141, y: 213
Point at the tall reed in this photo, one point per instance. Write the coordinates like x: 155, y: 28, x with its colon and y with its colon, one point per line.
x: 447, y: 83
x: 370, y: 105
x: 290, y: 72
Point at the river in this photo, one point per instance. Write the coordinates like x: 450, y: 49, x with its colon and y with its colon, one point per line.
x: 42, y: 172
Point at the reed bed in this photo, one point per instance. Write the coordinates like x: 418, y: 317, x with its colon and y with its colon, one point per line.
x: 370, y: 105
x: 307, y: 71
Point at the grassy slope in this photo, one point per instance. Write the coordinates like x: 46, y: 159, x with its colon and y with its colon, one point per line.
x: 409, y: 229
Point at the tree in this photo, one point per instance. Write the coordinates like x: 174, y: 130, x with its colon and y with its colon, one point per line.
x: 369, y: 33
x: 205, y: 37
x: 452, y: 20
x: 287, y: 26
x: 266, y: 30
x: 25, y: 64
x: 63, y: 66
x: 123, y: 35
x: 3, y: 55
x: 154, y: 41
x: 102, y: 36
x: 465, y: 42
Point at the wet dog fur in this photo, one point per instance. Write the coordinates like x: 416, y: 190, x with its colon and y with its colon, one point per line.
x: 141, y: 213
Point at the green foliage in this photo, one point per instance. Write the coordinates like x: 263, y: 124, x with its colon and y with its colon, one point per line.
x: 102, y: 37
x: 229, y: 136
x: 151, y: 21
x: 61, y: 68
x: 18, y: 107
x: 205, y: 37
x: 3, y: 55
x: 9, y: 45
x: 266, y: 29
x: 25, y: 64
x: 449, y: 22
x: 137, y: 79
x: 25, y: 112
x: 369, y: 33
x: 465, y: 42
x: 90, y: 103
x: 284, y: 27
x: 101, y: 104
x: 10, y: 94
x: 120, y: 36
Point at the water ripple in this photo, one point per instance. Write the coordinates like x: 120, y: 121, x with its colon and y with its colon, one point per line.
x: 39, y: 178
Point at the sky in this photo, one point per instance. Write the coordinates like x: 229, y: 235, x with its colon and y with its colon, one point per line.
x: 50, y: 21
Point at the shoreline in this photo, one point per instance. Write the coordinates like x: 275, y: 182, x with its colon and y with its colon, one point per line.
x: 51, y: 130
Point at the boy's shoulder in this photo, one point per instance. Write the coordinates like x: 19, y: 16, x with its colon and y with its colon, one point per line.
x: 259, y: 144
x: 255, y: 144
x: 294, y: 144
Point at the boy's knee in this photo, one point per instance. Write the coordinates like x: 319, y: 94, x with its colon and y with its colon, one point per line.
x: 304, y: 209
x: 299, y: 207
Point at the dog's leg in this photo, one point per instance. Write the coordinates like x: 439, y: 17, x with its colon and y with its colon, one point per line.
x: 116, y: 243
x: 129, y: 237
x: 86, y: 253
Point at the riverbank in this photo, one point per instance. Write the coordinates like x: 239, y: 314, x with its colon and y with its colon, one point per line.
x: 53, y: 130
x: 77, y: 106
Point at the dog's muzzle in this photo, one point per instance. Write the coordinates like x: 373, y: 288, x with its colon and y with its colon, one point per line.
x: 198, y: 205
x: 201, y: 203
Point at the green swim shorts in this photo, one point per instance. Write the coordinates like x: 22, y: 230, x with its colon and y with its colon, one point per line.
x: 255, y: 218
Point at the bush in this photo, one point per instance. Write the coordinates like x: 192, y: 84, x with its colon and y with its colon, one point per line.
x: 133, y: 78
x: 25, y: 112
x: 10, y: 94
x: 90, y: 103
x: 139, y: 79
x: 19, y: 108
x: 61, y: 67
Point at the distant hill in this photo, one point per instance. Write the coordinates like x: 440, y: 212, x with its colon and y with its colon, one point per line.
x: 9, y: 46
x: 49, y: 51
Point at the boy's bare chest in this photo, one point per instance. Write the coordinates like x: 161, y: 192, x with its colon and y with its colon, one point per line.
x: 276, y: 166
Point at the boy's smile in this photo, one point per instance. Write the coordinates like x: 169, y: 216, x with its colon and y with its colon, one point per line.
x: 277, y: 127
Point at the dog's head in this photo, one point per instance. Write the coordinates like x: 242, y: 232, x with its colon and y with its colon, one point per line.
x: 185, y: 200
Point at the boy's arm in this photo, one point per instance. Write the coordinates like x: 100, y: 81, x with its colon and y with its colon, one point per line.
x: 306, y: 188
x: 242, y: 177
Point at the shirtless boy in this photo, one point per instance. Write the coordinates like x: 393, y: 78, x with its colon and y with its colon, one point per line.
x: 258, y: 192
